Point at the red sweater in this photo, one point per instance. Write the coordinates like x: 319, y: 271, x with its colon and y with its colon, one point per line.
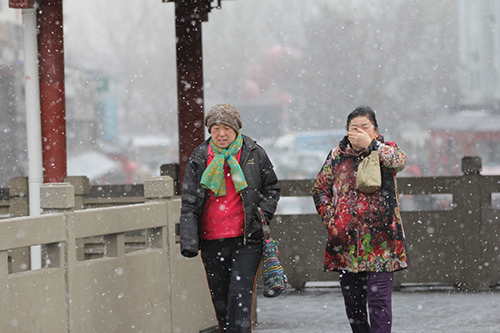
x: 223, y: 217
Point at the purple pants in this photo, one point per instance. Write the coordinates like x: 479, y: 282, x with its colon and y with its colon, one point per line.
x: 373, y: 288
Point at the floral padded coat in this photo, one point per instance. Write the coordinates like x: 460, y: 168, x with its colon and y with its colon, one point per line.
x: 365, y: 232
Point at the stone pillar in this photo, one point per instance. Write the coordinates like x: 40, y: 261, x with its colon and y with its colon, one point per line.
x: 172, y: 170
x: 19, y: 201
x: 159, y: 188
x: 81, y: 184
x: 19, y: 206
x: 470, y: 201
x: 57, y: 197
x: 471, y: 165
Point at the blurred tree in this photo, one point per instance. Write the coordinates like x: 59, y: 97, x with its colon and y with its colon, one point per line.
x: 135, y: 44
x: 401, y: 58
x: 324, y: 57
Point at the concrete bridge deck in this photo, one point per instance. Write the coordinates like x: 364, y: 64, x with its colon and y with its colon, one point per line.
x: 321, y: 310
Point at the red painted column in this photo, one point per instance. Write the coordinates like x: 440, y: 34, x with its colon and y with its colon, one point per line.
x: 52, y: 94
x: 189, y: 15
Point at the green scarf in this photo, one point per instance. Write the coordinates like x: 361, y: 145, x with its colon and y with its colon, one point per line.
x: 213, y: 177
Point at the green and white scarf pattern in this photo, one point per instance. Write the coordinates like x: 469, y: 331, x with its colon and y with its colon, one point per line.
x: 213, y: 176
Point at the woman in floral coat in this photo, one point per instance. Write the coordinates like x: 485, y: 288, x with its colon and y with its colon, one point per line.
x: 366, y: 241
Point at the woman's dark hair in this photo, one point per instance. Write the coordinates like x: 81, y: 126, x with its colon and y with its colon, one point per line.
x: 362, y: 111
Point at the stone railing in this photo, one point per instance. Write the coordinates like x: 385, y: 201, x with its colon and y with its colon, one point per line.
x: 146, y: 288
x: 452, y: 229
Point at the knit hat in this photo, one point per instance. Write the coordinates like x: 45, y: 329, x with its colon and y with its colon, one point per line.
x: 226, y: 114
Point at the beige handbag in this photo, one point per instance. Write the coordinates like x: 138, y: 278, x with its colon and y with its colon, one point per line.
x: 368, y: 177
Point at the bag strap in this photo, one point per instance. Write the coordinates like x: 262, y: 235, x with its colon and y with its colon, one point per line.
x: 265, y: 224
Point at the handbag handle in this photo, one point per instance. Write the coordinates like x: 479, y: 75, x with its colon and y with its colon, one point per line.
x: 265, y: 224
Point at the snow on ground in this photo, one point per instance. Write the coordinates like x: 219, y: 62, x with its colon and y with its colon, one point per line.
x: 322, y: 310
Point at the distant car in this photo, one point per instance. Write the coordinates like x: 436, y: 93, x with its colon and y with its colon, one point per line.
x: 300, y: 155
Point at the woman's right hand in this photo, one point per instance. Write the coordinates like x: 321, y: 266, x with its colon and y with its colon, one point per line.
x: 359, y: 139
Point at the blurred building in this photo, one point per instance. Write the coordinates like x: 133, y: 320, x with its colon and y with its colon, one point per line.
x: 471, y: 131
x: 84, y: 111
x: 12, y: 128
x: 472, y: 128
x: 480, y: 51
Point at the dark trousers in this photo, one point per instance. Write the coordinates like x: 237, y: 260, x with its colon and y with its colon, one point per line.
x: 374, y: 289
x: 232, y: 269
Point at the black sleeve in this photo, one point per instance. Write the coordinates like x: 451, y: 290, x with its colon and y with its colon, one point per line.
x: 270, y: 187
x: 192, y: 201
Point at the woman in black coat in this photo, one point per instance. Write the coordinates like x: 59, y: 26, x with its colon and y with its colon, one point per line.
x: 227, y: 179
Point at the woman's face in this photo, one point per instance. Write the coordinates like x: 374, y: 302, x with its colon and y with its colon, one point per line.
x: 222, y: 135
x: 364, y: 124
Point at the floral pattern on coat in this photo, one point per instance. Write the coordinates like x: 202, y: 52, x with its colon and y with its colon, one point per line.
x: 365, y: 231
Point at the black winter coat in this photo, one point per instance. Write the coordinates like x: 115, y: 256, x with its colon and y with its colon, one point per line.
x: 263, y: 191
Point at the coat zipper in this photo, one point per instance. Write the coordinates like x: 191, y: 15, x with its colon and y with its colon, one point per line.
x: 243, y: 200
